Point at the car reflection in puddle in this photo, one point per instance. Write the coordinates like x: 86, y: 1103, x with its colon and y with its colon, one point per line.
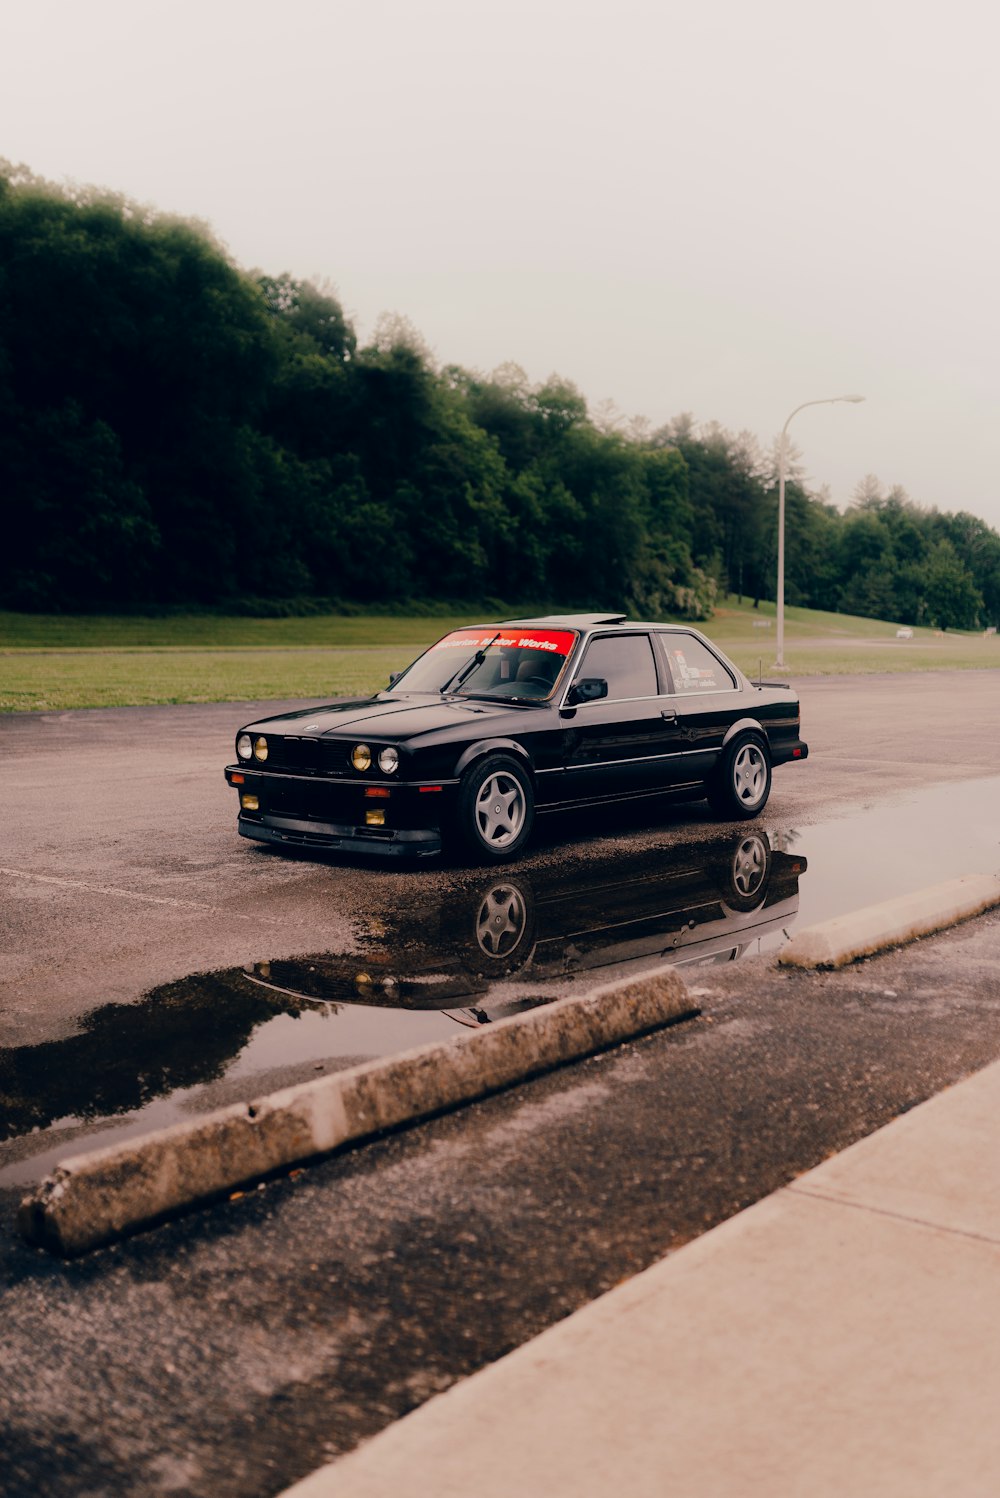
x: 476, y: 953
x: 510, y: 942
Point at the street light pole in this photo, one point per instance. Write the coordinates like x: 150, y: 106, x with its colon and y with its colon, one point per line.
x: 782, y: 449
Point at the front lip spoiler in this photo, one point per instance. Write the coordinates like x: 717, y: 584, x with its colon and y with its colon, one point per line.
x: 290, y: 832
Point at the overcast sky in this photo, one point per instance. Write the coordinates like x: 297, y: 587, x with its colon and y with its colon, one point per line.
x: 726, y: 208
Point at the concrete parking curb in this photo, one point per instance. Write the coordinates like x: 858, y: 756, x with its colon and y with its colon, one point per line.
x: 838, y: 942
x: 96, y: 1198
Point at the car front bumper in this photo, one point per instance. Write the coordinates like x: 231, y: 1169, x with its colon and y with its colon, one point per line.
x: 312, y: 812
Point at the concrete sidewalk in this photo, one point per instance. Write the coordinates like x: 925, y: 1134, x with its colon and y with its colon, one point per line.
x: 839, y: 1337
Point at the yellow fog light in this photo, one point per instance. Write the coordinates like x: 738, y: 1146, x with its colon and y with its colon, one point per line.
x: 248, y: 802
x: 361, y: 757
x: 260, y: 748
x: 375, y: 818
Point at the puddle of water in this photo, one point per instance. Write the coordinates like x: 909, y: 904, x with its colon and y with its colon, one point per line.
x: 489, y: 946
x: 285, y: 1041
x: 892, y: 850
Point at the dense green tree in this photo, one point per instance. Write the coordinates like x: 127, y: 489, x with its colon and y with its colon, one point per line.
x: 136, y: 355
x: 311, y: 312
x: 78, y: 529
x: 978, y: 546
x: 173, y: 430
x: 727, y: 503
x: 950, y: 595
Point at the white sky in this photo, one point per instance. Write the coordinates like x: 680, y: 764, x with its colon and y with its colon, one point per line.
x: 727, y: 208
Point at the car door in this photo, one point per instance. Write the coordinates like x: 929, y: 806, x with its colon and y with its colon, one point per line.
x: 704, y: 695
x: 615, y: 746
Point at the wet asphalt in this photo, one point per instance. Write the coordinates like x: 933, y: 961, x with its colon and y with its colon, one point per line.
x: 237, y: 1348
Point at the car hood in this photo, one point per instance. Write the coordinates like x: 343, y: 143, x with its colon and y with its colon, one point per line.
x: 386, y: 717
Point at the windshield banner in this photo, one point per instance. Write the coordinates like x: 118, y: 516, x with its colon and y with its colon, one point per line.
x: 554, y: 641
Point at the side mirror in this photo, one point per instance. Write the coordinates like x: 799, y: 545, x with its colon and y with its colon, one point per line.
x: 394, y: 677
x: 588, y: 689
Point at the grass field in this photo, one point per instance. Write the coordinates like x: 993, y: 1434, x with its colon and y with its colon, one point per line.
x: 820, y: 644
x: 55, y: 662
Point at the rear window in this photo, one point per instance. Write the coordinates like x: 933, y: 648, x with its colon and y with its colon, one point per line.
x: 693, y: 666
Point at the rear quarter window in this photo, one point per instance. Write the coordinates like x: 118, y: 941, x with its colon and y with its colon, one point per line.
x: 694, y: 668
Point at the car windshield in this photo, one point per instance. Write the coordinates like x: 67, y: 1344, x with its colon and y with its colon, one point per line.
x: 515, y: 665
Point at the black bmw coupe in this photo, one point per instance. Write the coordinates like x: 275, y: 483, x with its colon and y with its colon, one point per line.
x: 498, y: 723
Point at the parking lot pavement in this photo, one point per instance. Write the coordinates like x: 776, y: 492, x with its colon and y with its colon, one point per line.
x: 121, y: 868
x: 835, y: 1338
x: 235, y: 1350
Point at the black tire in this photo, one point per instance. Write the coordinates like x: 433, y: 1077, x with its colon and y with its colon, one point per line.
x: 741, y: 781
x: 495, y: 809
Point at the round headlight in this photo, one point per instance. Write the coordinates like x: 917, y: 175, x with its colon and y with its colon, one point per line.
x: 260, y: 748
x: 388, y: 760
x: 244, y: 748
x: 361, y: 757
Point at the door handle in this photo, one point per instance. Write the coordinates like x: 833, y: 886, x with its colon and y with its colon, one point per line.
x: 669, y: 715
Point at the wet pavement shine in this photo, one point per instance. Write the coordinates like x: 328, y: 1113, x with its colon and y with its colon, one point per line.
x: 477, y: 948
x: 152, y: 966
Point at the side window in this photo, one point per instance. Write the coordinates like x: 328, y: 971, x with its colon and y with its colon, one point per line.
x: 625, y: 662
x: 693, y: 666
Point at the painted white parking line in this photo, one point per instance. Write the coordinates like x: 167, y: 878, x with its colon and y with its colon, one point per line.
x: 133, y: 894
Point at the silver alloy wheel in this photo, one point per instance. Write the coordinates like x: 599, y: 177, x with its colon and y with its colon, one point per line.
x: 749, y: 866
x: 500, y: 809
x: 494, y: 810
x: 749, y: 774
x: 501, y: 920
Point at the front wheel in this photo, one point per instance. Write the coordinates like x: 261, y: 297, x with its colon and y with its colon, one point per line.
x: 496, y: 808
x: 742, y: 779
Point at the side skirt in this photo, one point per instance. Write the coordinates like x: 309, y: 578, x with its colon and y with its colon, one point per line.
x: 683, y: 790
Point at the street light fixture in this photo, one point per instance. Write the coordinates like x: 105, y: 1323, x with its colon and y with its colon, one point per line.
x: 828, y: 401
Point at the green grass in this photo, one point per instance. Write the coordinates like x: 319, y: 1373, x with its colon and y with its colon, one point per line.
x: 822, y: 644
x: 214, y: 631
x: 56, y: 679
x: 55, y: 662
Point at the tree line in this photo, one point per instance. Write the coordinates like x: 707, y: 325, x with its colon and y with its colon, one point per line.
x: 175, y: 431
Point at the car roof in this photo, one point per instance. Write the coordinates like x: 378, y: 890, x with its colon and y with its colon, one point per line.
x: 571, y: 621
x: 597, y: 621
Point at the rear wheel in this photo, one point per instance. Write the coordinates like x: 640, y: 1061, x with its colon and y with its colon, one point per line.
x: 744, y: 873
x: 742, y: 779
x: 495, y: 810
